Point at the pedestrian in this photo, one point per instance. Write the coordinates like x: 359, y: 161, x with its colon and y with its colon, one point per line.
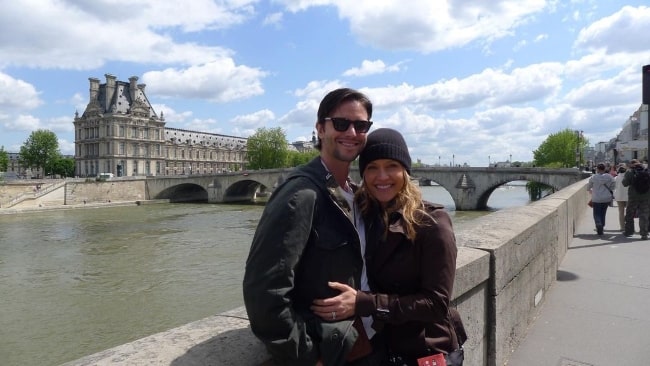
x: 307, y: 237
x: 638, y: 199
x: 620, y: 195
x: 601, y: 186
x: 411, y: 261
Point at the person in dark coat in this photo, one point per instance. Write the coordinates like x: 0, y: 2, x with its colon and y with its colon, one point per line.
x: 306, y: 237
x: 410, y: 257
x: 637, y: 202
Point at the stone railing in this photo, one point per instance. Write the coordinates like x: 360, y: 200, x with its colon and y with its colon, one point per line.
x: 506, y: 263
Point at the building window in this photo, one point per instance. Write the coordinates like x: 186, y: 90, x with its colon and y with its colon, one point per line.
x: 121, y: 131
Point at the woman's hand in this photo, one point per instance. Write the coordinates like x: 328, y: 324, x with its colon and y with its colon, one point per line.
x: 338, y: 307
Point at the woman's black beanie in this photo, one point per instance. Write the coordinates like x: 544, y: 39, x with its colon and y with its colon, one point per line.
x: 385, y: 143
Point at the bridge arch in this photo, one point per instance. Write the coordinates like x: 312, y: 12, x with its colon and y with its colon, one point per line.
x: 470, y: 188
x: 184, y: 192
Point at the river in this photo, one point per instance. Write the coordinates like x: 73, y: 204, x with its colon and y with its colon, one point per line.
x: 75, y: 282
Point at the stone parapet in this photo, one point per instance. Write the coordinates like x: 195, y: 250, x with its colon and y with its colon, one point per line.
x: 506, y: 263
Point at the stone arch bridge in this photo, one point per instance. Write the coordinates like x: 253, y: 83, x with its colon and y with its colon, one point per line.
x: 470, y: 188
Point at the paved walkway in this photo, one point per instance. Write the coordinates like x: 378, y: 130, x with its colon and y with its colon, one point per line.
x: 598, y: 311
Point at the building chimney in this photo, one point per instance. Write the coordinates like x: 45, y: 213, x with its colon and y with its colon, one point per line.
x: 94, y: 88
x: 133, y: 87
x: 110, y: 90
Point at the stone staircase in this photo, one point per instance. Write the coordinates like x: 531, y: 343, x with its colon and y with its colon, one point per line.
x: 17, y: 196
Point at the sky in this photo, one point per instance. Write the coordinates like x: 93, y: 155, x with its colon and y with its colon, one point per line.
x: 465, y: 81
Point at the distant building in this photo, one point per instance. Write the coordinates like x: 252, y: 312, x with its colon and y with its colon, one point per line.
x: 120, y: 133
x: 17, y: 171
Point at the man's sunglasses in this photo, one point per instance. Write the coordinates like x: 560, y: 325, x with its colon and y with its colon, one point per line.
x: 342, y: 124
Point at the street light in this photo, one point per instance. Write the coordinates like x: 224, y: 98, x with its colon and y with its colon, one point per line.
x: 453, y: 160
x: 489, y: 161
x: 578, y: 148
x: 438, y: 160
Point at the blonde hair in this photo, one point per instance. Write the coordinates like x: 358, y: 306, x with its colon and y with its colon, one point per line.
x: 408, y: 201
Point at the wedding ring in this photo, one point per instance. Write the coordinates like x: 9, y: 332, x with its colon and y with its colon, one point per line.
x: 333, y: 315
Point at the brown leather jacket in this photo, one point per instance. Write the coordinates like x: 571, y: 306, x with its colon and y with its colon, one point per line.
x: 412, y: 284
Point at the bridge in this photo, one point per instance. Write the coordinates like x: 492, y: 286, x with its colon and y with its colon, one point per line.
x: 470, y: 188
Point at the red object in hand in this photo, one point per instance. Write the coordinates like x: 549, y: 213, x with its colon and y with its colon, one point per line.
x: 433, y: 360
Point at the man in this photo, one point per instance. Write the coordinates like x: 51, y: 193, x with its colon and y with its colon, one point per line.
x: 306, y: 238
x: 638, y: 201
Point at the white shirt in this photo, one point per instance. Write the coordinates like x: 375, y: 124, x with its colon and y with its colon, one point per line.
x: 361, y: 229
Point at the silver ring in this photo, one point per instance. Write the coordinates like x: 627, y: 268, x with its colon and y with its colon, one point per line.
x: 333, y: 315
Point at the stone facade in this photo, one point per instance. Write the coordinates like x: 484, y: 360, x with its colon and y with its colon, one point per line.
x: 120, y: 133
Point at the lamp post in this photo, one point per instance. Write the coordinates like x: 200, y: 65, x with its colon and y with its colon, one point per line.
x: 453, y: 160
x: 489, y: 161
x: 438, y: 160
x: 578, y: 148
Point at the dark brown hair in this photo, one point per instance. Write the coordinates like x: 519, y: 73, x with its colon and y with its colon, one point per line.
x: 337, y: 97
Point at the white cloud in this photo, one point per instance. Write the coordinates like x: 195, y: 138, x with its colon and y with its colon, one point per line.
x: 33, y: 33
x: 371, y: 68
x: 219, y: 81
x: 254, y: 120
x: 274, y: 19
x: 22, y: 123
x: 623, y: 31
x: 16, y: 94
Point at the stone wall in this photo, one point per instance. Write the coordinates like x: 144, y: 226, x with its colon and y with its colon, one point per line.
x: 104, y: 191
x: 506, y: 263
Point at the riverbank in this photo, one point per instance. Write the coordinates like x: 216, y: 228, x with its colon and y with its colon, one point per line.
x: 53, y: 200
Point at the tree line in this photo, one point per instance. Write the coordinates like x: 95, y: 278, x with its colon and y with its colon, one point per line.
x: 41, y: 151
x: 268, y: 148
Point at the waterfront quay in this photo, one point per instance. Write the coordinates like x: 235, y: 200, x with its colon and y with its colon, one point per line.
x: 507, y: 271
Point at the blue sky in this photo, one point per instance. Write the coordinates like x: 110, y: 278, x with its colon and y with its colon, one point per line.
x: 467, y: 80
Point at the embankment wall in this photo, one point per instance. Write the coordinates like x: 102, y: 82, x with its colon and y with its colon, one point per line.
x: 506, y: 263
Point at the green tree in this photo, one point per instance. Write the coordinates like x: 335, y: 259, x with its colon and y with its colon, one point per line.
x: 296, y: 158
x: 39, y: 150
x: 4, y: 159
x: 61, y: 166
x: 267, y: 149
x: 561, y: 150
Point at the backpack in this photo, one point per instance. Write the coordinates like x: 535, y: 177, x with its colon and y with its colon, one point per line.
x: 641, y: 181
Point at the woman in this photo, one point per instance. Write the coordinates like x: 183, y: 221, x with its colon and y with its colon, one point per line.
x: 410, y: 257
x: 601, y: 186
x: 620, y: 195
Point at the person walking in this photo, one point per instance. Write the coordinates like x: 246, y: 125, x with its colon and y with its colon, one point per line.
x: 601, y: 186
x: 620, y: 196
x: 411, y: 260
x: 638, y: 200
x: 307, y: 237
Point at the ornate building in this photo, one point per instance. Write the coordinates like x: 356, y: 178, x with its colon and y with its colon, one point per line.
x: 120, y: 133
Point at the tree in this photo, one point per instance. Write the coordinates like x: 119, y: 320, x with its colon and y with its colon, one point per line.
x: 61, y: 166
x: 561, y: 150
x: 267, y: 149
x: 296, y: 158
x: 4, y: 159
x: 40, y: 150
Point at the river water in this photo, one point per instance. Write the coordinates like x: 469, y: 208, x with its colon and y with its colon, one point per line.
x: 76, y: 282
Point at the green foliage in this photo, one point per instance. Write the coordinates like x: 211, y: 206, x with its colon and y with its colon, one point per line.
x: 296, y: 158
x: 561, y: 150
x: 40, y: 149
x: 537, y: 191
x: 267, y: 149
x: 61, y: 166
x: 4, y: 159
